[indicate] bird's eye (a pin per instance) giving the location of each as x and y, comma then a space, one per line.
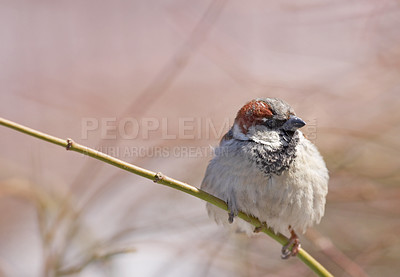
270, 123
275, 123
280, 122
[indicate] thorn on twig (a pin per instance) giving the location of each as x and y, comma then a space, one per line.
158, 177
257, 229
69, 143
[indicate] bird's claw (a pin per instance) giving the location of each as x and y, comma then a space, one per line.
292, 247
231, 216
287, 252
232, 207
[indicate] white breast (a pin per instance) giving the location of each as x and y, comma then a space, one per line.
295, 198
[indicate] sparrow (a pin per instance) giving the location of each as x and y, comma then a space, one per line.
266, 168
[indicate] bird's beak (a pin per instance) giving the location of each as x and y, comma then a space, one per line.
293, 123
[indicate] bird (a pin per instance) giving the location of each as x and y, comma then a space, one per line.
266, 168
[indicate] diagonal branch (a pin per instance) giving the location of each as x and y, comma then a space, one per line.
159, 178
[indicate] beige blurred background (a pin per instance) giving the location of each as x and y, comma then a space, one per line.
180, 70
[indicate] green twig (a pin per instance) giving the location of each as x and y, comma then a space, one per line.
167, 181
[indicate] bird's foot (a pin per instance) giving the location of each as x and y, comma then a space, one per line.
231, 215
233, 210
292, 247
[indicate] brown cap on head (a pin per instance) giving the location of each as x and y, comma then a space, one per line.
254, 112
271, 112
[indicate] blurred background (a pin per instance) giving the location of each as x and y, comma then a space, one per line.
157, 83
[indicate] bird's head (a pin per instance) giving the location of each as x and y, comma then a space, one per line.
265, 118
